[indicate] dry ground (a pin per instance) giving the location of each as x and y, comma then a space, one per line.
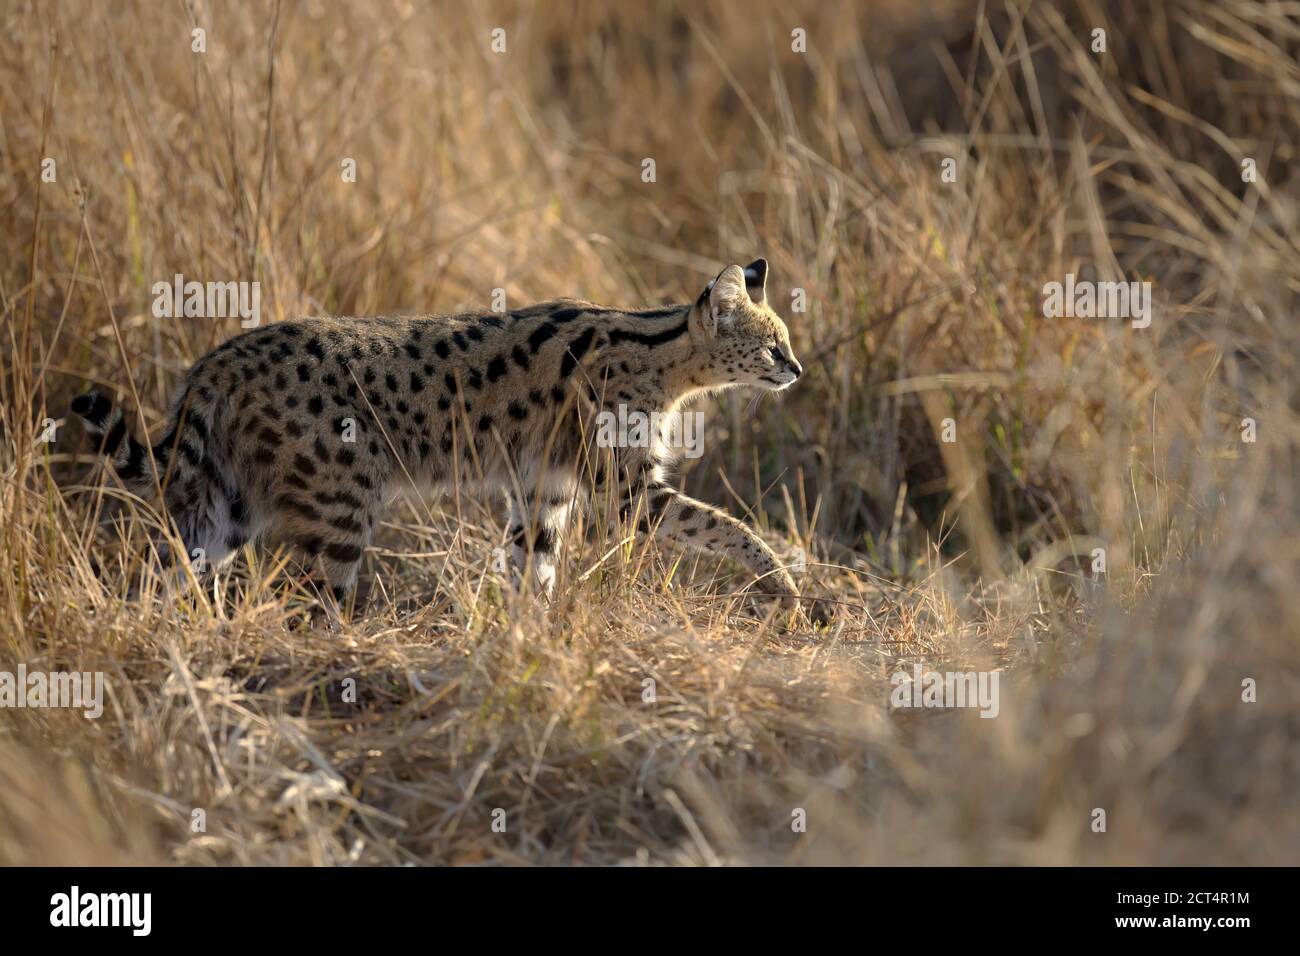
522, 170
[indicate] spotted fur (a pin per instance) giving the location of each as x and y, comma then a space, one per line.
256, 443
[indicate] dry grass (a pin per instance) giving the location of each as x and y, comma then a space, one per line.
523, 171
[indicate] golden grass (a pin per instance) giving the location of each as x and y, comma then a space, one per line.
522, 171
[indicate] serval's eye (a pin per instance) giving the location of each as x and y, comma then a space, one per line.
775, 352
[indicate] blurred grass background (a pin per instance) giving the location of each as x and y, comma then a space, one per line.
522, 170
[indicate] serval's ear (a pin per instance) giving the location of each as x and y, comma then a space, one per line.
756, 281
723, 297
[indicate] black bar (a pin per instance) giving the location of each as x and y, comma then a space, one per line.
639, 905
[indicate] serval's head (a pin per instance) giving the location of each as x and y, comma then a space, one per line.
748, 343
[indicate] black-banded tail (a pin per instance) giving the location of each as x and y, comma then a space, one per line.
130, 456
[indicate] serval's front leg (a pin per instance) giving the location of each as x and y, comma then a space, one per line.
675, 518
679, 519
536, 527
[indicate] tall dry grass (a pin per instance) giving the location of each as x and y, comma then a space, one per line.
522, 170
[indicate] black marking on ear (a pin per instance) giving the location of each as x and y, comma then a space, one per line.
704, 296
93, 407
756, 280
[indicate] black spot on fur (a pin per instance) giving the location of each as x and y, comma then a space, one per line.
115, 436
577, 349
290, 503
650, 339
346, 523
134, 467
191, 455
343, 553
544, 543
540, 335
